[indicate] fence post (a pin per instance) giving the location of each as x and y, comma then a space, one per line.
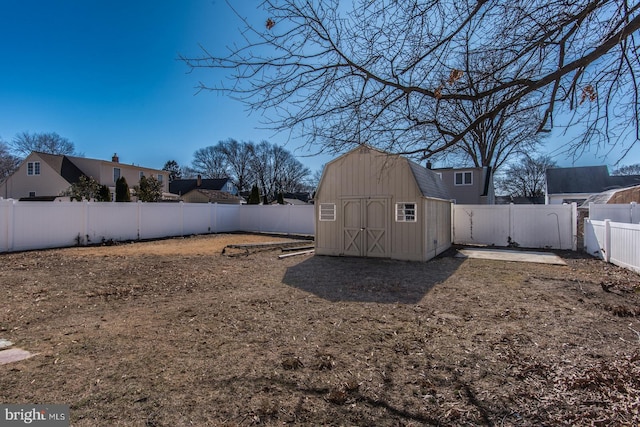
181, 218
139, 217
607, 240
85, 222
574, 226
511, 231
10, 225
213, 218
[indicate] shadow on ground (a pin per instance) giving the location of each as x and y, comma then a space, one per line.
369, 280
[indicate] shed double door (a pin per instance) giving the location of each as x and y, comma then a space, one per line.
365, 227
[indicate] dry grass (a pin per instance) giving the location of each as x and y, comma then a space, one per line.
173, 333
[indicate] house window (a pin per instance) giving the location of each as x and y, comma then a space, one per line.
160, 178
33, 168
229, 187
405, 212
140, 175
463, 178
116, 174
32, 194
327, 211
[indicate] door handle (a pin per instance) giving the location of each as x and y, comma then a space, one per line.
362, 229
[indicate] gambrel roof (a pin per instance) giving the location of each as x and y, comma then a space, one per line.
429, 182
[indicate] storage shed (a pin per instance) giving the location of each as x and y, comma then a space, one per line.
374, 204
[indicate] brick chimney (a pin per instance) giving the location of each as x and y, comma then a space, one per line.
429, 164
115, 158
199, 181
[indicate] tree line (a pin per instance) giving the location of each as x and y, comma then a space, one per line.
270, 167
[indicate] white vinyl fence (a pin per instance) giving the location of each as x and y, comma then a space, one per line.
39, 225
528, 226
626, 213
614, 242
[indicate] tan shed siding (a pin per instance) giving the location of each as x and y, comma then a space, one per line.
327, 234
370, 174
438, 227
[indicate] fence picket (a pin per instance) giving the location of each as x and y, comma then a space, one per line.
40, 225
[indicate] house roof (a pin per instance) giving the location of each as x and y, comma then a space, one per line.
429, 182
218, 196
629, 194
63, 166
183, 186
586, 179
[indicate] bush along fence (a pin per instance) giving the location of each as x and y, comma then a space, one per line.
41, 225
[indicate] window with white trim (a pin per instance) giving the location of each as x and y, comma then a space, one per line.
464, 178
405, 212
327, 211
160, 178
33, 168
116, 174
141, 174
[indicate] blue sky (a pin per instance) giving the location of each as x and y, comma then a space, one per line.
105, 74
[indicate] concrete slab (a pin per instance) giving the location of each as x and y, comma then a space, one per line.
14, 355
508, 255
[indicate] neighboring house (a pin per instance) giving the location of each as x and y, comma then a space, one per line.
220, 190
44, 176
617, 196
577, 184
468, 186
302, 198
519, 200
373, 204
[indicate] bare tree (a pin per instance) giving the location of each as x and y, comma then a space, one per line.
526, 178
49, 142
510, 133
386, 72
8, 162
238, 156
210, 162
627, 170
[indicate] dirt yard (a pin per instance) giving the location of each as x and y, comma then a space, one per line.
175, 333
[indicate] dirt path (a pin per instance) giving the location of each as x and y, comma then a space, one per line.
173, 333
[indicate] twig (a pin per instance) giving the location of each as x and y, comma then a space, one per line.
637, 333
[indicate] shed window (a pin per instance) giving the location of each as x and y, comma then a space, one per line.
463, 178
327, 211
405, 212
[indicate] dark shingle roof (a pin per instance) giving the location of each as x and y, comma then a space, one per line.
430, 183
183, 186
586, 179
63, 165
